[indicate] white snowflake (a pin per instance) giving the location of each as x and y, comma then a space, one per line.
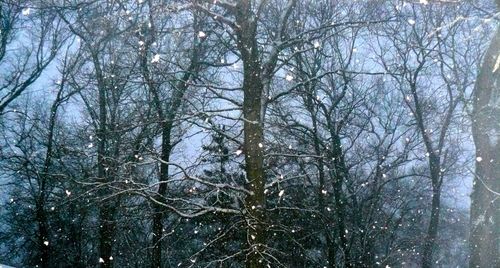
26, 11
281, 193
156, 58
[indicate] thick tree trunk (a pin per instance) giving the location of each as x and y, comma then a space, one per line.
253, 88
485, 199
254, 164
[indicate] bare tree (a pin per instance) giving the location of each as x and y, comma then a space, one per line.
258, 72
419, 47
249, 133
24, 58
157, 82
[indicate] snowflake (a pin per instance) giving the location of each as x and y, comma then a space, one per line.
156, 58
26, 11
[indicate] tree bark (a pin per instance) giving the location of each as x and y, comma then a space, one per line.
162, 190
339, 173
432, 230
253, 88
254, 162
485, 199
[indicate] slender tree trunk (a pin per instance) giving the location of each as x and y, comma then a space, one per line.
339, 175
162, 191
43, 233
432, 230
485, 198
106, 209
106, 234
330, 245
41, 214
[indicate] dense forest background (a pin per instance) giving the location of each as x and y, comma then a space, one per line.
249, 133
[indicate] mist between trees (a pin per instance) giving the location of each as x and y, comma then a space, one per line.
249, 133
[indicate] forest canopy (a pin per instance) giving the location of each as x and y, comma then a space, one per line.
249, 133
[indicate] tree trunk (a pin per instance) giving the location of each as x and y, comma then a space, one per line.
253, 88
330, 245
339, 175
254, 164
106, 210
41, 214
485, 199
43, 232
162, 190
432, 230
